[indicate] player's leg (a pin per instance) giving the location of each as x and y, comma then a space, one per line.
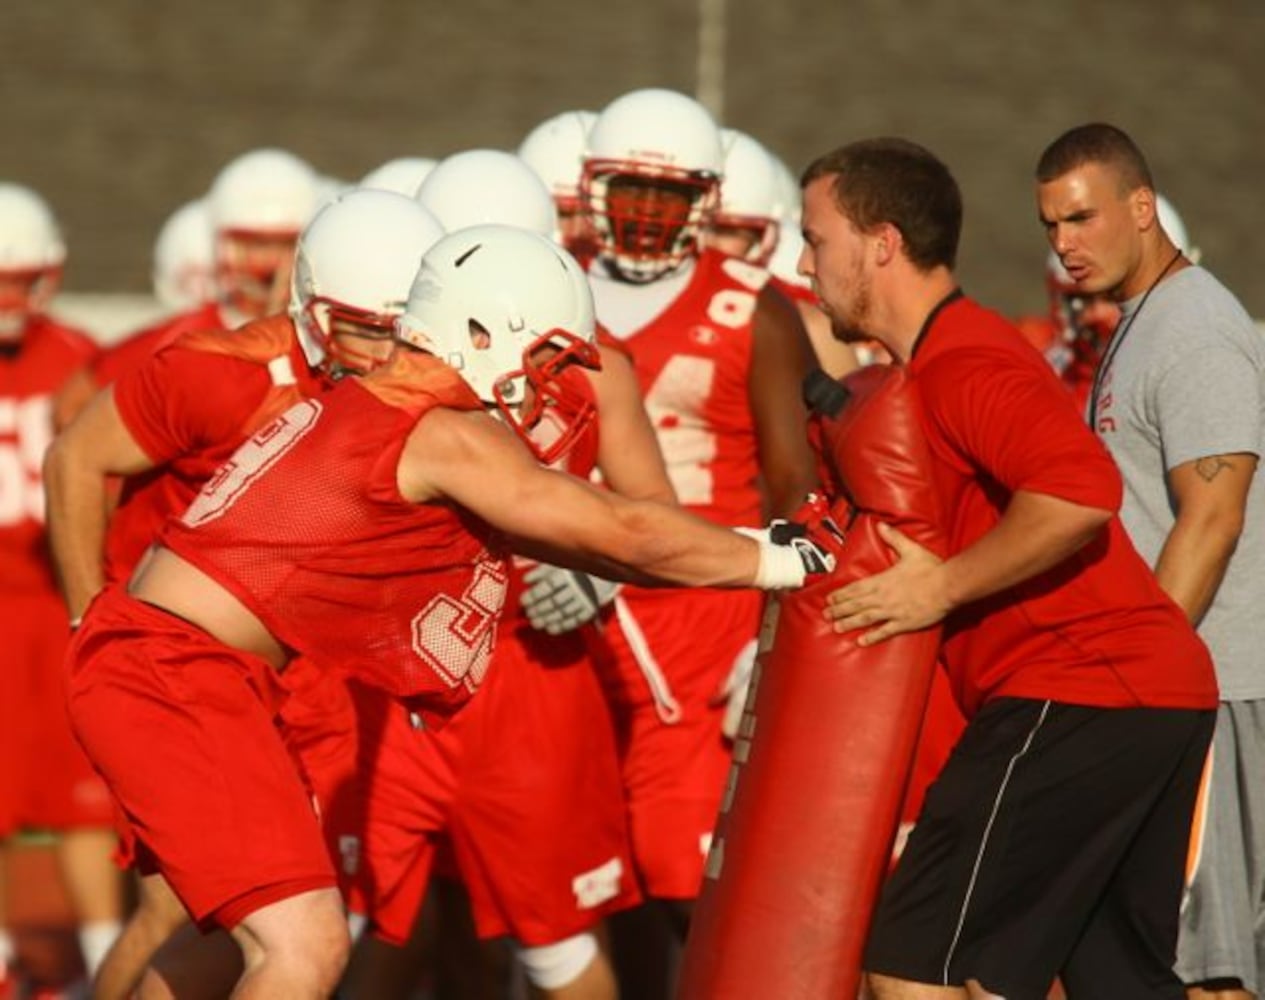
191, 965
157, 916
95, 887
296, 947
539, 827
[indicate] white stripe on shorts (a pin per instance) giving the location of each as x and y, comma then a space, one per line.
988, 829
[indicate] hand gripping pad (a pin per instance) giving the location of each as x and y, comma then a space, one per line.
825, 747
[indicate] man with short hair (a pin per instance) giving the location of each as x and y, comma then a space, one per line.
1053, 841
1179, 400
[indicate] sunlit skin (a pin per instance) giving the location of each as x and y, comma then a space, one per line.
1096, 225
834, 259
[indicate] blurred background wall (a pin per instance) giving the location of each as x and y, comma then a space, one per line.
119, 110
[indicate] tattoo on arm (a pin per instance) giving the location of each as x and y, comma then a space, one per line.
1210, 467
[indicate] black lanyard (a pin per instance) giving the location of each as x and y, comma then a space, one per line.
1117, 338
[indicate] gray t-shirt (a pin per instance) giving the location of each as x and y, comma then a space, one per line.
1187, 381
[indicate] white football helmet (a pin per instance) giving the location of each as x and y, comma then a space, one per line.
790, 197
555, 150
258, 204
650, 181
184, 258
784, 263
265, 190
1172, 224
31, 257
751, 197
403, 175
488, 300
479, 186
355, 261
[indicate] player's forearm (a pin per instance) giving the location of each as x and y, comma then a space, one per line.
652, 543
76, 507
1193, 562
1036, 533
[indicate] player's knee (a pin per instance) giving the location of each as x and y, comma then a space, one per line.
304, 941
552, 966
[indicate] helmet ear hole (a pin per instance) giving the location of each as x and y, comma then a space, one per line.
480, 338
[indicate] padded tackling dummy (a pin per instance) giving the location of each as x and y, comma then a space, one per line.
827, 741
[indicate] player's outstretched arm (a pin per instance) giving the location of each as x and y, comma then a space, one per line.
476, 462
77, 467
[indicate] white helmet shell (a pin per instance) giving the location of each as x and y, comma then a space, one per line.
658, 128
480, 186
750, 192
403, 175
784, 263
514, 286
29, 236
265, 190
184, 258
1172, 224
750, 186
790, 197
360, 255
555, 150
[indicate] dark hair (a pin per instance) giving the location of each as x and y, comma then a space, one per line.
901, 183
1100, 143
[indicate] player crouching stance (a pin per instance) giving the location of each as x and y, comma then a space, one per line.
367, 527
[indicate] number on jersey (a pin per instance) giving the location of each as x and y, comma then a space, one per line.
251, 461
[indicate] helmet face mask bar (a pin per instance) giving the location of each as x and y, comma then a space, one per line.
342, 328
647, 220
550, 366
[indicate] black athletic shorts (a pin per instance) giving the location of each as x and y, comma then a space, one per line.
1053, 843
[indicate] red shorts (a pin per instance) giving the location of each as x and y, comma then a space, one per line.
181, 727
318, 723
539, 828
406, 788
675, 760
45, 779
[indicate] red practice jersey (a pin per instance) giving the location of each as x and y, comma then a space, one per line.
305, 525
1094, 630
189, 407
129, 354
31, 372
693, 362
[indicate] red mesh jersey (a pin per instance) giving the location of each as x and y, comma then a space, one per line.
306, 526
133, 352
189, 407
30, 374
693, 362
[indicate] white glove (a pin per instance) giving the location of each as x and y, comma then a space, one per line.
787, 555
558, 600
734, 690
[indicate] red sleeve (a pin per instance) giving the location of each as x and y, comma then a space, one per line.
1010, 419
183, 400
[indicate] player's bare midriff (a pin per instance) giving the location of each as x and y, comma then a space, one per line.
167, 581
